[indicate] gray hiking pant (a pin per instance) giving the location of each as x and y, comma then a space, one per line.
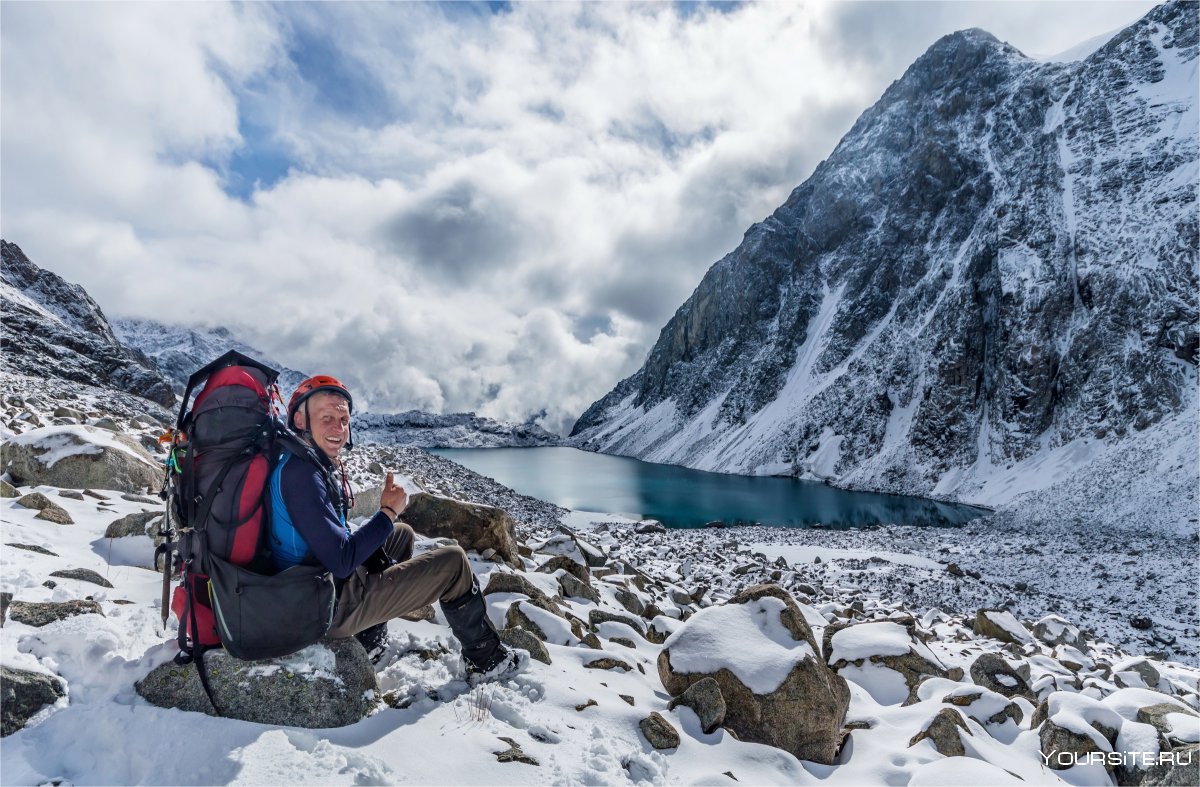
442, 574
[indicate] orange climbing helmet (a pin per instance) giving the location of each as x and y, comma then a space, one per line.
314, 385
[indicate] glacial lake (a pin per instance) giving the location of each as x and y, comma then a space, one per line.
680, 497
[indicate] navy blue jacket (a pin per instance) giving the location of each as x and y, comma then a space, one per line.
301, 506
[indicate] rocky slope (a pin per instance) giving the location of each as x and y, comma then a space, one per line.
53, 329
998, 261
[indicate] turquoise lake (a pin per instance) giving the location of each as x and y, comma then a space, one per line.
680, 497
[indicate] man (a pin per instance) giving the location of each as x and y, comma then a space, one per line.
378, 578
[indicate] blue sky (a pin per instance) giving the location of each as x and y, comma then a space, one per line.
456, 206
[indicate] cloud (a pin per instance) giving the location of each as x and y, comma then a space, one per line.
453, 207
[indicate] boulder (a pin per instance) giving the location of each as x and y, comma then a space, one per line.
131, 524
8, 490
992, 672
659, 732
1181, 769
23, 694
47, 509
107, 423
5, 599
1156, 716
999, 624
76, 457
573, 587
630, 601
886, 643
573, 567
1054, 630
1063, 747
474, 526
944, 731
650, 526
504, 582
516, 618
41, 613
1072, 726
705, 700
520, 638
598, 616
593, 556
984, 706
83, 575
329, 684
777, 690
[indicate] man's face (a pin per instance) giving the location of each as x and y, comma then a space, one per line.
328, 420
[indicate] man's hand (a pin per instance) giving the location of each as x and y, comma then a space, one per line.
393, 497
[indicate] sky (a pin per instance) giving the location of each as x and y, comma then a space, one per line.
490, 207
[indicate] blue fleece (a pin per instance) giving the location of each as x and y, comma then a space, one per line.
306, 526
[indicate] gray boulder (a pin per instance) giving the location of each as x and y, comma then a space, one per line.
504, 582
803, 715
992, 672
8, 490
131, 524
573, 567
915, 666
1156, 716
101, 459
520, 638
999, 624
474, 526
1064, 747
83, 575
704, 698
47, 508
330, 684
659, 732
573, 587
22, 694
1054, 630
1183, 769
944, 731
42, 613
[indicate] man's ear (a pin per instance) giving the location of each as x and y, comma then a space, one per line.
298, 420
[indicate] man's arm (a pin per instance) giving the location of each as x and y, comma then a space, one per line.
313, 515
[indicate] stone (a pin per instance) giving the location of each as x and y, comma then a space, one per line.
992, 672
589, 704
106, 423
576, 569
70, 494
623, 641
522, 638
8, 490
504, 582
1141, 622
274, 691
1182, 769
95, 495
1143, 668
1056, 741
513, 753
803, 715
476, 527
630, 601
1156, 716
82, 574
944, 731
5, 599
598, 616
421, 613
134, 524
55, 514
32, 548
650, 526
1054, 630
145, 421
607, 662
999, 624
41, 613
516, 618
915, 666
955, 570
659, 732
113, 462
705, 700
22, 694
70, 412
133, 498
628, 698
593, 556
572, 587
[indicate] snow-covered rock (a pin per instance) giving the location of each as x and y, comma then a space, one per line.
81, 457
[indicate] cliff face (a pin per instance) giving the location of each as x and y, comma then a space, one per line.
54, 329
998, 259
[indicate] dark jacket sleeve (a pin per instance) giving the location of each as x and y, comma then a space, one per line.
314, 517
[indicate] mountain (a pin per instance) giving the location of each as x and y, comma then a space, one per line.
998, 262
180, 350
53, 329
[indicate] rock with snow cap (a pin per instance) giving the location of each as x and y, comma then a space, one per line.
76, 457
992, 672
22, 694
762, 654
999, 624
329, 684
705, 700
856, 651
474, 526
945, 732
1055, 630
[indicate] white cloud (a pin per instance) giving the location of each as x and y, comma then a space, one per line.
489, 212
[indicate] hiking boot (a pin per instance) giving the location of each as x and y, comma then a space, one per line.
374, 640
507, 663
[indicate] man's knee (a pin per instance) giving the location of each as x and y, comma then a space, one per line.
453, 562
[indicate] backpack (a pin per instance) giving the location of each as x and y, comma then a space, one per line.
222, 451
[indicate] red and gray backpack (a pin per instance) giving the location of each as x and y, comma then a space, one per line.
229, 595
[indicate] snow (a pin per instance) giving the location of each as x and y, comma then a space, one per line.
765, 657
869, 639
60, 442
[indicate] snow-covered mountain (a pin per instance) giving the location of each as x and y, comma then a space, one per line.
53, 329
180, 350
995, 268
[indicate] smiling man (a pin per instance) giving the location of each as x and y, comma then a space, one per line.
377, 576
